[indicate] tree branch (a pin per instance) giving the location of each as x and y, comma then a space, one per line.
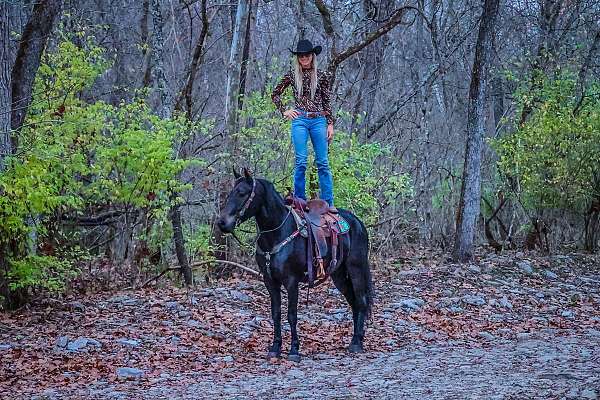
394, 20
199, 264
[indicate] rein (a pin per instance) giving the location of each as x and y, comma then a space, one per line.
278, 246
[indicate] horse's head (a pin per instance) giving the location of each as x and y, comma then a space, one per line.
242, 202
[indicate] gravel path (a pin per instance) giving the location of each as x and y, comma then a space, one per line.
550, 366
513, 326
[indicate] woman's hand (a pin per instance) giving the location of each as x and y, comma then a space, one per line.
329, 133
291, 114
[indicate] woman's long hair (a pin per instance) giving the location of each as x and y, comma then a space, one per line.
313, 76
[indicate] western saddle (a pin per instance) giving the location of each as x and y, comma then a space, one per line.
320, 224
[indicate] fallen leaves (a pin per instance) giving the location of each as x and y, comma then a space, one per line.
225, 330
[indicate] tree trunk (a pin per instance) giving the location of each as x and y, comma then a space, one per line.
470, 194
246, 55
180, 244
5, 112
165, 112
31, 46
372, 68
5, 87
234, 68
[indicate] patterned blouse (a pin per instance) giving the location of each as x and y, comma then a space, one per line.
321, 101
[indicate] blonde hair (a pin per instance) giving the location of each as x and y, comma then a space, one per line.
313, 76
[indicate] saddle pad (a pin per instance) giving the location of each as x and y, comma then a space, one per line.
343, 225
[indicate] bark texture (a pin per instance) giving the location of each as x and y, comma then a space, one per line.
31, 47
5, 87
234, 68
470, 195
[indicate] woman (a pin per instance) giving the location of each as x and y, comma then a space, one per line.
311, 116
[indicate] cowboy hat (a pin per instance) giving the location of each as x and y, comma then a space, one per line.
305, 46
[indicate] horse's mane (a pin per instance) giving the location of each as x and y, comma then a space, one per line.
271, 188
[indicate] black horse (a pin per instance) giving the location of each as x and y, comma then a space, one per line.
253, 197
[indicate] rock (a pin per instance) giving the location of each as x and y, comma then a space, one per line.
124, 300
130, 373
129, 342
244, 286
474, 269
227, 359
194, 300
550, 275
455, 309
241, 296
588, 394
174, 306
525, 267
487, 336
296, 373
505, 303
411, 305
62, 341
523, 336
194, 324
77, 306
567, 314
473, 300
5, 347
81, 343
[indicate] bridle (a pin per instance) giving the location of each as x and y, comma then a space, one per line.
278, 246
248, 200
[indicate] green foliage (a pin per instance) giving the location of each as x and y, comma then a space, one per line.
553, 160
75, 156
45, 271
365, 180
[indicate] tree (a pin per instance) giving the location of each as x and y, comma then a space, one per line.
470, 194
31, 46
234, 68
5, 87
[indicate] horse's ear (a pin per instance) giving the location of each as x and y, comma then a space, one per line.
247, 173
236, 174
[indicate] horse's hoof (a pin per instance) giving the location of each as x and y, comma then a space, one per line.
273, 354
294, 357
355, 348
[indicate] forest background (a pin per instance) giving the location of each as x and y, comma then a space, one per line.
121, 122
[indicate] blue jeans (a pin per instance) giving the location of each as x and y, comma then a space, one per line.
315, 128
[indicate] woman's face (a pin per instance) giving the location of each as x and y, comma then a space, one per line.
305, 60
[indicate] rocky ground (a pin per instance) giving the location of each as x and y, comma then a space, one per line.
515, 326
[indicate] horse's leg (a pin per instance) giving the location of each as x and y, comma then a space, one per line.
275, 294
343, 283
361, 287
292, 292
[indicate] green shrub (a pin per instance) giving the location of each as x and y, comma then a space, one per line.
77, 157
553, 160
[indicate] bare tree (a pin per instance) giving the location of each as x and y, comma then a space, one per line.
31, 46
5, 87
470, 195
234, 67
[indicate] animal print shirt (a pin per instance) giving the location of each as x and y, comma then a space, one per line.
321, 101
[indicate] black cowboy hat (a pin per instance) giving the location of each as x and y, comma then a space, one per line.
305, 46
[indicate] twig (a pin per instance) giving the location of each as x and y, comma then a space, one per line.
198, 264
247, 269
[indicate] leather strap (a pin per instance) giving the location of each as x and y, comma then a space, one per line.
249, 200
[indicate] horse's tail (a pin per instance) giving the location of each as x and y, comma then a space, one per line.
366, 271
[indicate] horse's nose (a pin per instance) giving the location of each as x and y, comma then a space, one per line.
225, 224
